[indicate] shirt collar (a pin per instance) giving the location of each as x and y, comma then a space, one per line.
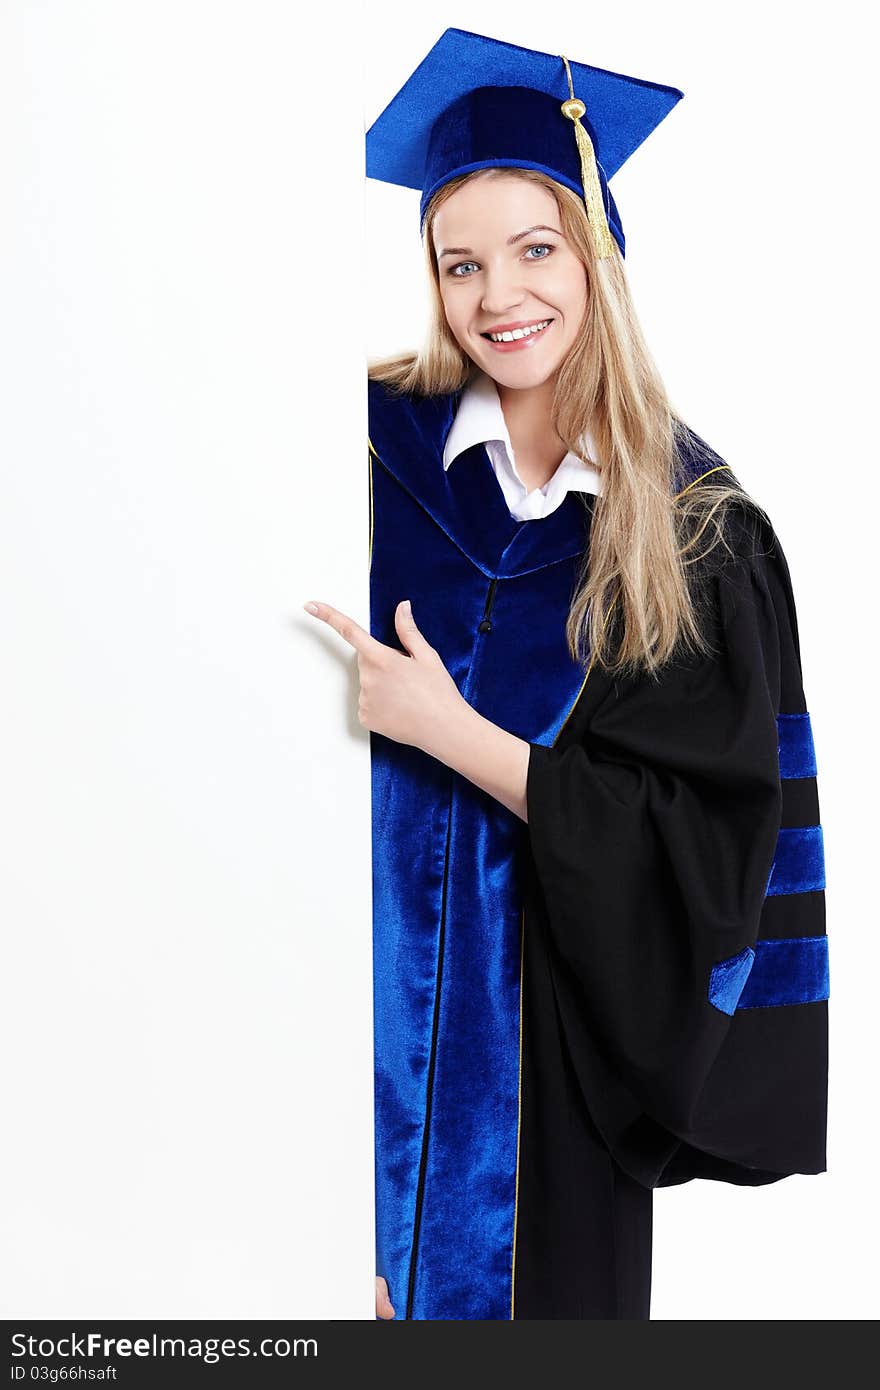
479, 418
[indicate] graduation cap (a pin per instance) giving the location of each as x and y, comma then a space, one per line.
479, 103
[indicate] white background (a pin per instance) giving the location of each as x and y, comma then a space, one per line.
186, 1013
192, 272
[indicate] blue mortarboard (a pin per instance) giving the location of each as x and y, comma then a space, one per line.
478, 103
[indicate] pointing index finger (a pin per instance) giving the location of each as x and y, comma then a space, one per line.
347, 628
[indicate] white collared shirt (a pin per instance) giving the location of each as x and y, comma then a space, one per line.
480, 420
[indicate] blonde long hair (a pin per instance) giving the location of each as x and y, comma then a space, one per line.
649, 530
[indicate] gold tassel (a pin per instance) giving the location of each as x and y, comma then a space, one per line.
574, 109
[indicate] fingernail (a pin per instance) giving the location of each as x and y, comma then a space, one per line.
310, 607
407, 606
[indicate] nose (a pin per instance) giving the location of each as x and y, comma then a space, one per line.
502, 290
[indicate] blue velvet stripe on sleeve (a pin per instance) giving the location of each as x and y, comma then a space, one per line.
799, 864
782, 970
728, 979
797, 754
787, 970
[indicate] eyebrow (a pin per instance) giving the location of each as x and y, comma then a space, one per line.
511, 241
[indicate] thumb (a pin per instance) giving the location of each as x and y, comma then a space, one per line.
384, 1306
408, 632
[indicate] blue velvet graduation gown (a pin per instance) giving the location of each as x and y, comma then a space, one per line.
629, 990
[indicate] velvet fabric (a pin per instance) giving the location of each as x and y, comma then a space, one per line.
472, 908
794, 970
446, 899
799, 865
797, 753
510, 127
475, 102
728, 978
779, 970
787, 972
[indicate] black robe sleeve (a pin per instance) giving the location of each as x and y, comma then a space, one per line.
653, 827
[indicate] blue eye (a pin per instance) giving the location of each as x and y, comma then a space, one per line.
535, 246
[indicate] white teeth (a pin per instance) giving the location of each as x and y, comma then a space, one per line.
511, 336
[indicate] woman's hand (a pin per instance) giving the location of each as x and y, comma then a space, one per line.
384, 1306
405, 697
413, 699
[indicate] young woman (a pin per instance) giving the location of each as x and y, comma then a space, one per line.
599, 935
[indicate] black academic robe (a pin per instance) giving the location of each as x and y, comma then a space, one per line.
629, 990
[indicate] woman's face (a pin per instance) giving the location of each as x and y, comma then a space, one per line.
505, 264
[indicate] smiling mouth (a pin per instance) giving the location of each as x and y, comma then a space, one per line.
516, 335
519, 339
